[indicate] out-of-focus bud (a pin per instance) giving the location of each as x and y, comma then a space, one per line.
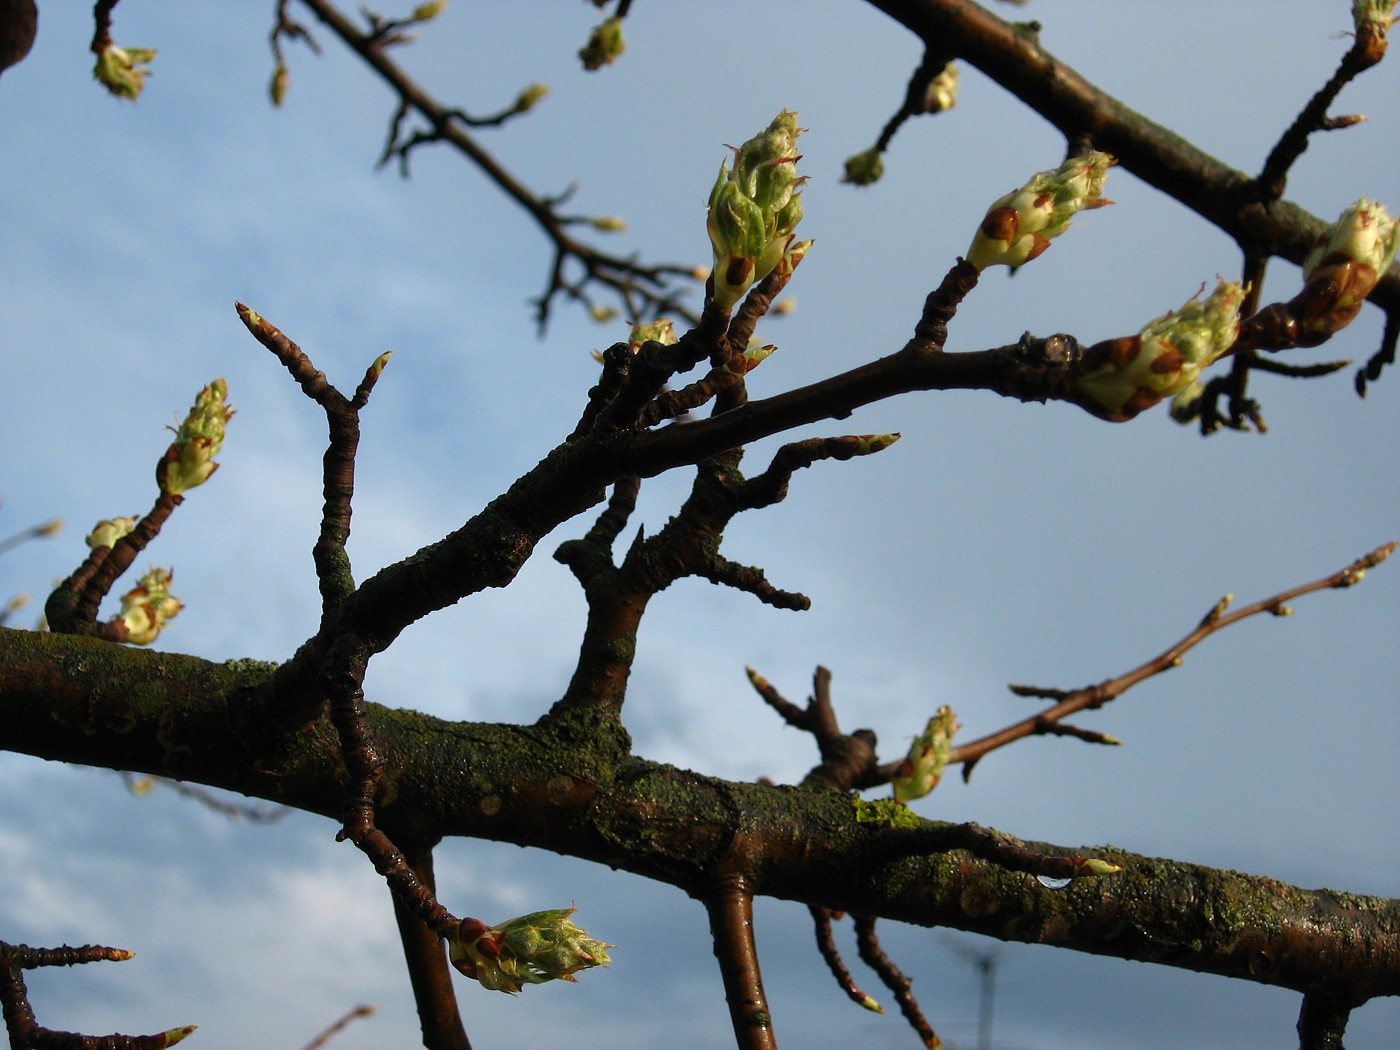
602, 314
1184, 406
864, 169
535, 948
1373, 20
1092, 867
608, 224
427, 12
530, 97
784, 307
1018, 227
148, 606
1121, 377
754, 208
277, 89
122, 70
604, 45
922, 768
659, 331
942, 90
1343, 267
107, 531
52, 527
190, 459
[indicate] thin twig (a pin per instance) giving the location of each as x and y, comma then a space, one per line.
1093, 696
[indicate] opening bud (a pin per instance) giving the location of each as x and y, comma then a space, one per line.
148, 606
604, 45
1019, 226
1122, 377
189, 461
107, 531
532, 949
754, 208
922, 768
122, 70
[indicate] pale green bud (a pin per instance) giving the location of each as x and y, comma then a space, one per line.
532, 949
608, 224
1364, 233
754, 208
1019, 226
922, 768
530, 97
604, 45
659, 331
602, 314
1124, 376
148, 606
1342, 269
121, 71
190, 459
427, 12
1373, 17
942, 90
864, 169
277, 89
107, 531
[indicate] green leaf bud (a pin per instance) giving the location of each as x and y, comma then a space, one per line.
107, 531
1121, 377
864, 169
122, 70
754, 209
922, 768
1019, 226
604, 45
190, 459
148, 606
532, 949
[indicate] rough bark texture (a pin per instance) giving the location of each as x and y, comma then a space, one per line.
87, 701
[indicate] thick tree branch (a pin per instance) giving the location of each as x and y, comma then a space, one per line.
82, 700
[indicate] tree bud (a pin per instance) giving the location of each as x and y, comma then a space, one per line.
1018, 227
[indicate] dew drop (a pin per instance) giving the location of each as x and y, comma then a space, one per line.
1053, 884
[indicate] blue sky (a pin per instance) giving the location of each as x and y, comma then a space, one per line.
996, 542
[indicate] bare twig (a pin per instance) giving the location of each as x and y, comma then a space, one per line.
643, 291
340, 1024
1071, 701
874, 956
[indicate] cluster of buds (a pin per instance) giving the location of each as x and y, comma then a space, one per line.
605, 45
189, 461
1019, 226
1122, 377
148, 606
754, 209
107, 531
535, 948
122, 71
922, 768
1343, 267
